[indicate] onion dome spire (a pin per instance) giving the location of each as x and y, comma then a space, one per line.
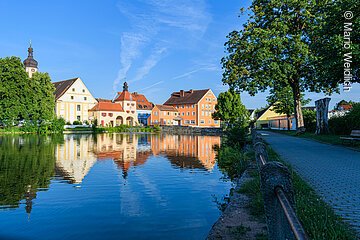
30, 61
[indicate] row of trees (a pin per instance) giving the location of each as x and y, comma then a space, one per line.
24, 100
291, 47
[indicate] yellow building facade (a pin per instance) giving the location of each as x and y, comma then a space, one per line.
73, 100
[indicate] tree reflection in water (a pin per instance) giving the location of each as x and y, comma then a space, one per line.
26, 165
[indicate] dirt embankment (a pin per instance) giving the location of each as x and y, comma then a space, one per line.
236, 222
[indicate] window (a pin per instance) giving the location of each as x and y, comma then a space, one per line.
128, 104
206, 113
72, 97
216, 121
85, 98
187, 121
103, 114
168, 113
202, 113
78, 107
182, 106
209, 121
192, 121
73, 89
202, 106
155, 113
133, 104
183, 114
188, 113
78, 118
165, 113
194, 113
193, 106
110, 114
83, 90
132, 111
214, 100
202, 121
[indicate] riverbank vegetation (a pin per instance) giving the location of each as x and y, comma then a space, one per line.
26, 104
126, 128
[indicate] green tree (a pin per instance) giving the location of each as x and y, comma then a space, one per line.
230, 109
274, 50
43, 100
13, 90
282, 101
329, 42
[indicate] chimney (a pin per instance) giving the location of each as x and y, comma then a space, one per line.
191, 91
182, 93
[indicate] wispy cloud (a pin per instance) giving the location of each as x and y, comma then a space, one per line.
152, 21
130, 50
149, 63
151, 86
190, 73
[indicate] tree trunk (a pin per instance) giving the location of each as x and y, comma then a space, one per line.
322, 108
288, 122
297, 110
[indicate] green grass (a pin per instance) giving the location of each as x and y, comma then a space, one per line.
318, 218
251, 188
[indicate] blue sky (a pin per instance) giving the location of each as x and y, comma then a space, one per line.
159, 46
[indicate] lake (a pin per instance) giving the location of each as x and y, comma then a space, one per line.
109, 186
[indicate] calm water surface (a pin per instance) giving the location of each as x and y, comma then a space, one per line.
109, 186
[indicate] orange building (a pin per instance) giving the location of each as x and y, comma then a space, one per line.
194, 107
164, 115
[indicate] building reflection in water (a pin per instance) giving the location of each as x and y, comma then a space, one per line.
187, 151
79, 153
126, 150
75, 158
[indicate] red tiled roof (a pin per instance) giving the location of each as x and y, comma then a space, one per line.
141, 101
186, 97
166, 108
107, 106
62, 86
124, 95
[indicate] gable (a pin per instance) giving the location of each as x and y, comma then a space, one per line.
78, 90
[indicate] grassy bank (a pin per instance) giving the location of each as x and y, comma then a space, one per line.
317, 217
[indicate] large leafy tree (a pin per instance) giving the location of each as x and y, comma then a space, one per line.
329, 42
274, 49
230, 109
13, 90
282, 101
22, 97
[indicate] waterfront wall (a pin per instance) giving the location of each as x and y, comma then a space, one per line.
209, 131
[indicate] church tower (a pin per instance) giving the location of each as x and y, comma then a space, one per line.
31, 65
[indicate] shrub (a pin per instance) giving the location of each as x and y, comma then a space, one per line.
343, 125
232, 161
309, 120
76, 122
236, 136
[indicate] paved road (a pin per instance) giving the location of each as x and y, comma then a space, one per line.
333, 171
